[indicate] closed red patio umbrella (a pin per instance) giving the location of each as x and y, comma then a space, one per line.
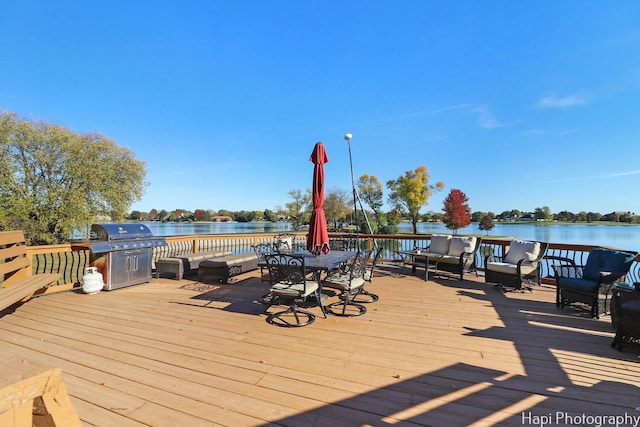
318, 237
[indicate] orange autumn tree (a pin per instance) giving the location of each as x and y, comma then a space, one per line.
457, 213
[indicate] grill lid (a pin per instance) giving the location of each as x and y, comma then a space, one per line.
125, 231
114, 237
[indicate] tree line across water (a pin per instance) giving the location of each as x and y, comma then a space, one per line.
339, 211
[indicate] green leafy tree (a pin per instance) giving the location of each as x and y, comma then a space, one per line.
566, 216
137, 216
298, 209
270, 215
477, 216
457, 213
370, 191
437, 217
543, 213
409, 193
230, 214
245, 216
54, 180
627, 217
336, 206
393, 218
593, 216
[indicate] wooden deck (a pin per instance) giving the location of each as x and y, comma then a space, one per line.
437, 353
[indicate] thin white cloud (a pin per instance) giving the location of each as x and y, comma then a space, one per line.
486, 119
554, 101
534, 132
428, 112
404, 116
601, 176
616, 174
551, 132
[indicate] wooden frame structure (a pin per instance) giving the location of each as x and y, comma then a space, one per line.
17, 279
39, 401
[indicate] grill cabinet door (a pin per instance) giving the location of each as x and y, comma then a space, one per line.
130, 268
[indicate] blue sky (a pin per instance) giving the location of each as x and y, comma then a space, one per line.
520, 104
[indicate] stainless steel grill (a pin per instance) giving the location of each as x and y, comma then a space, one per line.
122, 253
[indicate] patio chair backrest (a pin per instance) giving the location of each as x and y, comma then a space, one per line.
360, 262
285, 268
262, 249
601, 259
522, 249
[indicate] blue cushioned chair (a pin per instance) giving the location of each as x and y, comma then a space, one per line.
585, 284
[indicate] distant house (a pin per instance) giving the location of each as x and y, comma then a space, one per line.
528, 217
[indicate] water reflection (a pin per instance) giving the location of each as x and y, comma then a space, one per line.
188, 228
618, 236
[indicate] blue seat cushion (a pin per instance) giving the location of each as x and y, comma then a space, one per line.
578, 284
631, 306
607, 260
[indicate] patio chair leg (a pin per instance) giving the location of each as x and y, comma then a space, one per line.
319, 299
371, 298
279, 319
344, 303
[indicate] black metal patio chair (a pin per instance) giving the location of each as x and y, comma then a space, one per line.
350, 283
291, 286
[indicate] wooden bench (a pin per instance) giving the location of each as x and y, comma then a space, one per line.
220, 269
179, 265
18, 282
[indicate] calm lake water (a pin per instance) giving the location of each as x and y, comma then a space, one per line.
618, 236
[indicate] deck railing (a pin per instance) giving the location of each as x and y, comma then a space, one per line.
71, 262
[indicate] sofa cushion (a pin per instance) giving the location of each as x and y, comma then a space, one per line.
521, 249
508, 268
578, 284
458, 245
449, 259
600, 259
284, 244
440, 244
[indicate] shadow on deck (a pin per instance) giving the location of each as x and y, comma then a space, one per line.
442, 352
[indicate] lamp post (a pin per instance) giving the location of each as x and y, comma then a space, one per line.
356, 197
348, 137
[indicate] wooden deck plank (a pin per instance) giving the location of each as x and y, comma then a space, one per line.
441, 352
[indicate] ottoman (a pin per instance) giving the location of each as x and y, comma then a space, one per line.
220, 269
